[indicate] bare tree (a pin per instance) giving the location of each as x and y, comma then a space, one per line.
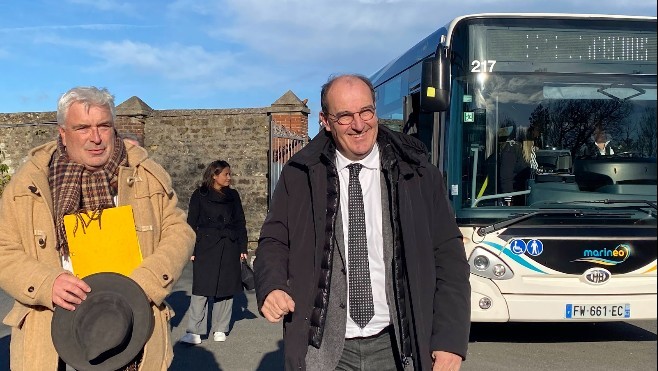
570, 124
646, 141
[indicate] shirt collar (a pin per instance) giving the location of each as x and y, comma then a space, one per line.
369, 162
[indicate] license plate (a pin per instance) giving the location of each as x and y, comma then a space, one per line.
620, 311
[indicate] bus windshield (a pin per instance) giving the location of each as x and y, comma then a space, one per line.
530, 131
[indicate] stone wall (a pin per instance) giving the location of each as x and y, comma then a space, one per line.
184, 142
187, 141
16, 140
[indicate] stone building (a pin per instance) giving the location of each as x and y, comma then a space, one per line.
254, 141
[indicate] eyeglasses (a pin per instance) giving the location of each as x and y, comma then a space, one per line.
347, 118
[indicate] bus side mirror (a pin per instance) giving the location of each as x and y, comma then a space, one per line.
435, 82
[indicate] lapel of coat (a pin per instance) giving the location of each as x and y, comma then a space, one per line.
340, 236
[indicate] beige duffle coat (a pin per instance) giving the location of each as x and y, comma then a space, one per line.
29, 262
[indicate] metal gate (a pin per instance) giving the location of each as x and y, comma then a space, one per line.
283, 144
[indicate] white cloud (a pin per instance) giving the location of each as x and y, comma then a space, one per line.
343, 34
189, 65
174, 61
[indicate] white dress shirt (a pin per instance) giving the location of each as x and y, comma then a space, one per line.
602, 149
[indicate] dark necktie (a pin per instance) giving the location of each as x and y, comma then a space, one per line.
360, 289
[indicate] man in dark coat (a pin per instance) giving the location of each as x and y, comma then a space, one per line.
415, 313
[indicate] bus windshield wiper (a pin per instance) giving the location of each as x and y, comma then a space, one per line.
483, 231
610, 202
651, 204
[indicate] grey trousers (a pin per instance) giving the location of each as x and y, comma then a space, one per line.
374, 353
198, 314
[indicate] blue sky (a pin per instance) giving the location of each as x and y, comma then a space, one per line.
222, 53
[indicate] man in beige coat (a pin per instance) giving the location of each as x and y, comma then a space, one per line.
87, 168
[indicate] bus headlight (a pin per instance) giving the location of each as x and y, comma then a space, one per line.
485, 303
485, 264
498, 270
481, 262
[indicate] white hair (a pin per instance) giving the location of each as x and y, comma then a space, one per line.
87, 95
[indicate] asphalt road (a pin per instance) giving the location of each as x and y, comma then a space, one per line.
255, 344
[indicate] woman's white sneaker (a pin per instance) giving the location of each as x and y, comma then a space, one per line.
219, 336
191, 338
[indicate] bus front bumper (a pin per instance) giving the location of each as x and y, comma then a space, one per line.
558, 308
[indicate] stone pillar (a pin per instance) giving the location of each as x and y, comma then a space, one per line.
131, 117
291, 113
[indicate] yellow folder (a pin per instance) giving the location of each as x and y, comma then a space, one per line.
103, 241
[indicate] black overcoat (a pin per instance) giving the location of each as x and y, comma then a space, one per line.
221, 236
294, 234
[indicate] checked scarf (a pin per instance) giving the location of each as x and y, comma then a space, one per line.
75, 188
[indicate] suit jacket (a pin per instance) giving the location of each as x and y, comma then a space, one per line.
327, 356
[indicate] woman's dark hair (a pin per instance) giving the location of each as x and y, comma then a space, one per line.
213, 169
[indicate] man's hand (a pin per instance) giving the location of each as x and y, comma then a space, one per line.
69, 291
445, 361
277, 304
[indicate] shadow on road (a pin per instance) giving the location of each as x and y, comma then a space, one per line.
195, 358
241, 309
558, 332
272, 361
179, 301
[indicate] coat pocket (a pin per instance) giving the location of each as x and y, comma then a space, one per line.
16, 316
169, 311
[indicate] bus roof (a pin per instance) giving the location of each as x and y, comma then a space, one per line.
416, 54
427, 46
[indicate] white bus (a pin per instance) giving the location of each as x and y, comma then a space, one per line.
544, 126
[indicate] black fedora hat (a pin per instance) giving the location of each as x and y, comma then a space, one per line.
108, 329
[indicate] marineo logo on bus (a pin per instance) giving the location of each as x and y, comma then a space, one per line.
606, 256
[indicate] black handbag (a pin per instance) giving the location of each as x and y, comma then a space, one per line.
248, 281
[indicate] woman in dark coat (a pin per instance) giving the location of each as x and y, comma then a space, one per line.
216, 214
